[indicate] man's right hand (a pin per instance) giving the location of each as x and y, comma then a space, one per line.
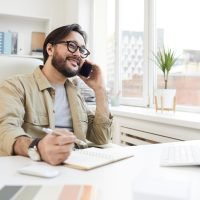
55, 149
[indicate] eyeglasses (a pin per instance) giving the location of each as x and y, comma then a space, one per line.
73, 47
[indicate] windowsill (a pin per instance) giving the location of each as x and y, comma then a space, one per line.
183, 119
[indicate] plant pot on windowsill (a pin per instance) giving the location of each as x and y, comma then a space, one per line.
165, 99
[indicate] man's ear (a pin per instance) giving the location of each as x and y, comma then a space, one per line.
49, 49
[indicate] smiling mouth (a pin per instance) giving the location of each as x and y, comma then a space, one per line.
73, 60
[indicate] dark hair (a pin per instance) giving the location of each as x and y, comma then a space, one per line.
59, 33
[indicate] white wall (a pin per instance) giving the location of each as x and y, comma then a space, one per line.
85, 18
49, 9
25, 16
59, 12
71, 11
100, 33
80, 11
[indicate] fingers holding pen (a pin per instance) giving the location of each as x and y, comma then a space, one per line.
55, 148
62, 140
53, 153
61, 132
60, 136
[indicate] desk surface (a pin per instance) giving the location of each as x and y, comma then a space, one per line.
136, 178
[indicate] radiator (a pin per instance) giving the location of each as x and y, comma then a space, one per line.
130, 136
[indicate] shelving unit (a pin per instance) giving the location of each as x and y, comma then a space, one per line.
23, 26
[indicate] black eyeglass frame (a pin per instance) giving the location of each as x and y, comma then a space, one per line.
81, 49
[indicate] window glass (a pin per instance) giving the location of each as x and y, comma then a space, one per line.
125, 48
178, 28
131, 47
110, 47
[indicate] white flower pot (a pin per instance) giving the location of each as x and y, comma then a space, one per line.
165, 99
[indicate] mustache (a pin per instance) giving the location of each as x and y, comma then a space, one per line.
76, 58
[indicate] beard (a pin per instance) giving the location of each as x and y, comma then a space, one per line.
60, 64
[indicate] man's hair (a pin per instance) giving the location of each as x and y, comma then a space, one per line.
60, 33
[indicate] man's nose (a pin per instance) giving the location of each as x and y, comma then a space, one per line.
77, 52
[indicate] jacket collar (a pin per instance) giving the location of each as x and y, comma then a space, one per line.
42, 81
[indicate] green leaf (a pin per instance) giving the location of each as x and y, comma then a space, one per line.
165, 60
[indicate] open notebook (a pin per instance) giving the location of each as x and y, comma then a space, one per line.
181, 154
90, 158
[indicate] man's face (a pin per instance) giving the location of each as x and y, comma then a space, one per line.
67, 63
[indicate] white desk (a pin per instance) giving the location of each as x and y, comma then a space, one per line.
136, 178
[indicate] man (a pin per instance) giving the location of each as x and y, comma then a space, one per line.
49, 98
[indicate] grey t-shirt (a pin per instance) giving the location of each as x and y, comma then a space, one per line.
63, 118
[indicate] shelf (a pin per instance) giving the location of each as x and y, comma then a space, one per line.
25, 56
23, 26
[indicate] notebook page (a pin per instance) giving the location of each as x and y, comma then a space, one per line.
94, 157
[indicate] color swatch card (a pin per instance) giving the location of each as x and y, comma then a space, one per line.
50, 192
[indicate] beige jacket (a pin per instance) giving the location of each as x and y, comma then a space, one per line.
26, 106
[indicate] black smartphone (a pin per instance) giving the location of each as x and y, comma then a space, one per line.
85, 69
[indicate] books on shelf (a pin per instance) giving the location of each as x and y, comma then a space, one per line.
90, 158
50, 192
8, 42
1, 42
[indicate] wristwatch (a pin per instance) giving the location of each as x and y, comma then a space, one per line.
33, 152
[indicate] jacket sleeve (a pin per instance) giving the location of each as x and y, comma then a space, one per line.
99, 127
11, 114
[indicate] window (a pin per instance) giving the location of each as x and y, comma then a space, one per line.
179, 30
134, 30
112, 73
126, 71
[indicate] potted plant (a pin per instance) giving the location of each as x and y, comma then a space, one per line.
165, 98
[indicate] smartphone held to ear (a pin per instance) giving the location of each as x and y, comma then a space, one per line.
85, 69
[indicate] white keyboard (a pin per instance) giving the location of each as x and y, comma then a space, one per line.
180, 155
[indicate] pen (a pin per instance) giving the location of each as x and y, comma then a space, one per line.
50, 131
